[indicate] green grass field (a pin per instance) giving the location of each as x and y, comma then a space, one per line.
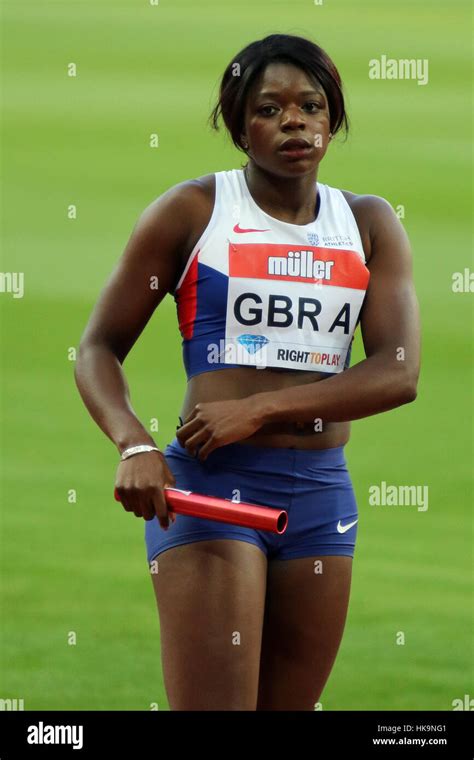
80, 568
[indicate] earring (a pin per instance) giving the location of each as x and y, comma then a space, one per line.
330, 135
245, 144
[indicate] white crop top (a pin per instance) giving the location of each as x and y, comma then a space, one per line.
260, 292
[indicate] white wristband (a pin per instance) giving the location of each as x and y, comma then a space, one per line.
126, 453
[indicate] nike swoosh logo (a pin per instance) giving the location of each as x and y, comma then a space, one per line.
239, 229
345, 528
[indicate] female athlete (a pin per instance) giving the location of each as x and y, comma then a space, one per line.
271, 272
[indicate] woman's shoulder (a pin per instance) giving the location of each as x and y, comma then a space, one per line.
194, 188
189, 202
370, 212
365, 203
202, 187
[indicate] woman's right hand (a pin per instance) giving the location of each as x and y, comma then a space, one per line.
140, 481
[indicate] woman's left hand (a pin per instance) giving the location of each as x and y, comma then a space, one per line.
215, 423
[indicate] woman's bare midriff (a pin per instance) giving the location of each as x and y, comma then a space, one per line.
240, 382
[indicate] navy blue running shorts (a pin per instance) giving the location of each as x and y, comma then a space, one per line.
312, 485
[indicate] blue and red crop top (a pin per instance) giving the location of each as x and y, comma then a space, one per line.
260, 292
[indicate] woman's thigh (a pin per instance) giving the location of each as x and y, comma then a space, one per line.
306, 607
210, 596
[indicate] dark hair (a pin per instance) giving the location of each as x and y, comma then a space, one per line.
254, 58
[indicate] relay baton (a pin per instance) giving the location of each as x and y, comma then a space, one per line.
224, 510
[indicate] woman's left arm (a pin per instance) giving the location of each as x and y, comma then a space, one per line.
390, 327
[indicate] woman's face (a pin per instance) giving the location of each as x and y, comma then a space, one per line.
284, 104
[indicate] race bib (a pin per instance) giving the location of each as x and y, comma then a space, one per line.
295, 308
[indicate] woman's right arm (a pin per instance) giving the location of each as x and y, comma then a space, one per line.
149, 267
